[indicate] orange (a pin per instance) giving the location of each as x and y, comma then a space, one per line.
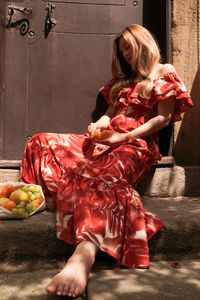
6, 190
101, 135
8, 204
2, 200
40, 200
37, 202
96, 134
104, 134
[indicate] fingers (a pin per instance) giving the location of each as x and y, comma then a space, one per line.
94, 126
91, 128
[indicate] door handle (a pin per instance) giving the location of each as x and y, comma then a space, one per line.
49, 22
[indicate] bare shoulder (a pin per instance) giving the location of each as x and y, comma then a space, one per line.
165, 69
162, 69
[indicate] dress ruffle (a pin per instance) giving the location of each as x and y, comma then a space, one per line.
168, 85
105, 90
171, 85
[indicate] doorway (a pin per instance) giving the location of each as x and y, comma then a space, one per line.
157, 18
56, 56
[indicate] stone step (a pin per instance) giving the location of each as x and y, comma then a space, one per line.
161, 281
164, 180
175, 181
35, 238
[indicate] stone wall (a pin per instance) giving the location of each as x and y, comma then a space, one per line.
186, 55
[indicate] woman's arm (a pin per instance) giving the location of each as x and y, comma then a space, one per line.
162, 119
103, 122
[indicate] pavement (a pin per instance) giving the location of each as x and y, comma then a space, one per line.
30, 255
161, 281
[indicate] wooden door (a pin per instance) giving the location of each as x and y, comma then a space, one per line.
54, 63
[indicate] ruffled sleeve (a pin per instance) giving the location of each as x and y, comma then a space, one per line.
171, 85
105, 90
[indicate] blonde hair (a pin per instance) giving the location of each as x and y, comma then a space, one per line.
145, 56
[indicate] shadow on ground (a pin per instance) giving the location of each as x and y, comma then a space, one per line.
161, 281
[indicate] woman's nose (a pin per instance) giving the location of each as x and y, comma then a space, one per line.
125, 53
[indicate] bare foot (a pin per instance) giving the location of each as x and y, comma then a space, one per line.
72, 280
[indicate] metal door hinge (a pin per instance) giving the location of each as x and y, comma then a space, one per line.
24, 22
25, 10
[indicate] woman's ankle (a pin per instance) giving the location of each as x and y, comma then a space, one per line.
85, 250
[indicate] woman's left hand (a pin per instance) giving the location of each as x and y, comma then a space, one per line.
113, 138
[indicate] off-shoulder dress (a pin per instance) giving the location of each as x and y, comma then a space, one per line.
93, 185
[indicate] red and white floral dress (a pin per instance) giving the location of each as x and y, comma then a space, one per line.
93, 185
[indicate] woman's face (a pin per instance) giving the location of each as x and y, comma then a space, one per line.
126, 50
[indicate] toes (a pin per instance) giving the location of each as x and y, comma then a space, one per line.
59, 290
71, 291
78, 291
51, 289
66, 290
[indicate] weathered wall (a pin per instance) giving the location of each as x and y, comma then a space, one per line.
185, 53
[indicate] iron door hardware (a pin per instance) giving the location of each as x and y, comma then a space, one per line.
25, 10
24, 22
49, 22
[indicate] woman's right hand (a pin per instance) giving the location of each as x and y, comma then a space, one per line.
102, 123
91, 128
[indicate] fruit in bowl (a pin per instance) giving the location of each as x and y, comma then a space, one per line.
19, 196
21, 200
7, 203
6, 190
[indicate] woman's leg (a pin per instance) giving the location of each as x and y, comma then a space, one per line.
72, 280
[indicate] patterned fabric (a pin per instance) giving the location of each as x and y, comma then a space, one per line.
93, 186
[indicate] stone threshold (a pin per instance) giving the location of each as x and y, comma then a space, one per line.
165, 161
37, 235
166, 179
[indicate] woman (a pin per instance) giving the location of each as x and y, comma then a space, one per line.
92, 179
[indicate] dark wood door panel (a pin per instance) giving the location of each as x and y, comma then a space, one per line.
95, 2
51, 83
62, 93
15, 96
2, 81
95, 19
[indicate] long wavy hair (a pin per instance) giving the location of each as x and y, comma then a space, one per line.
146, 55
